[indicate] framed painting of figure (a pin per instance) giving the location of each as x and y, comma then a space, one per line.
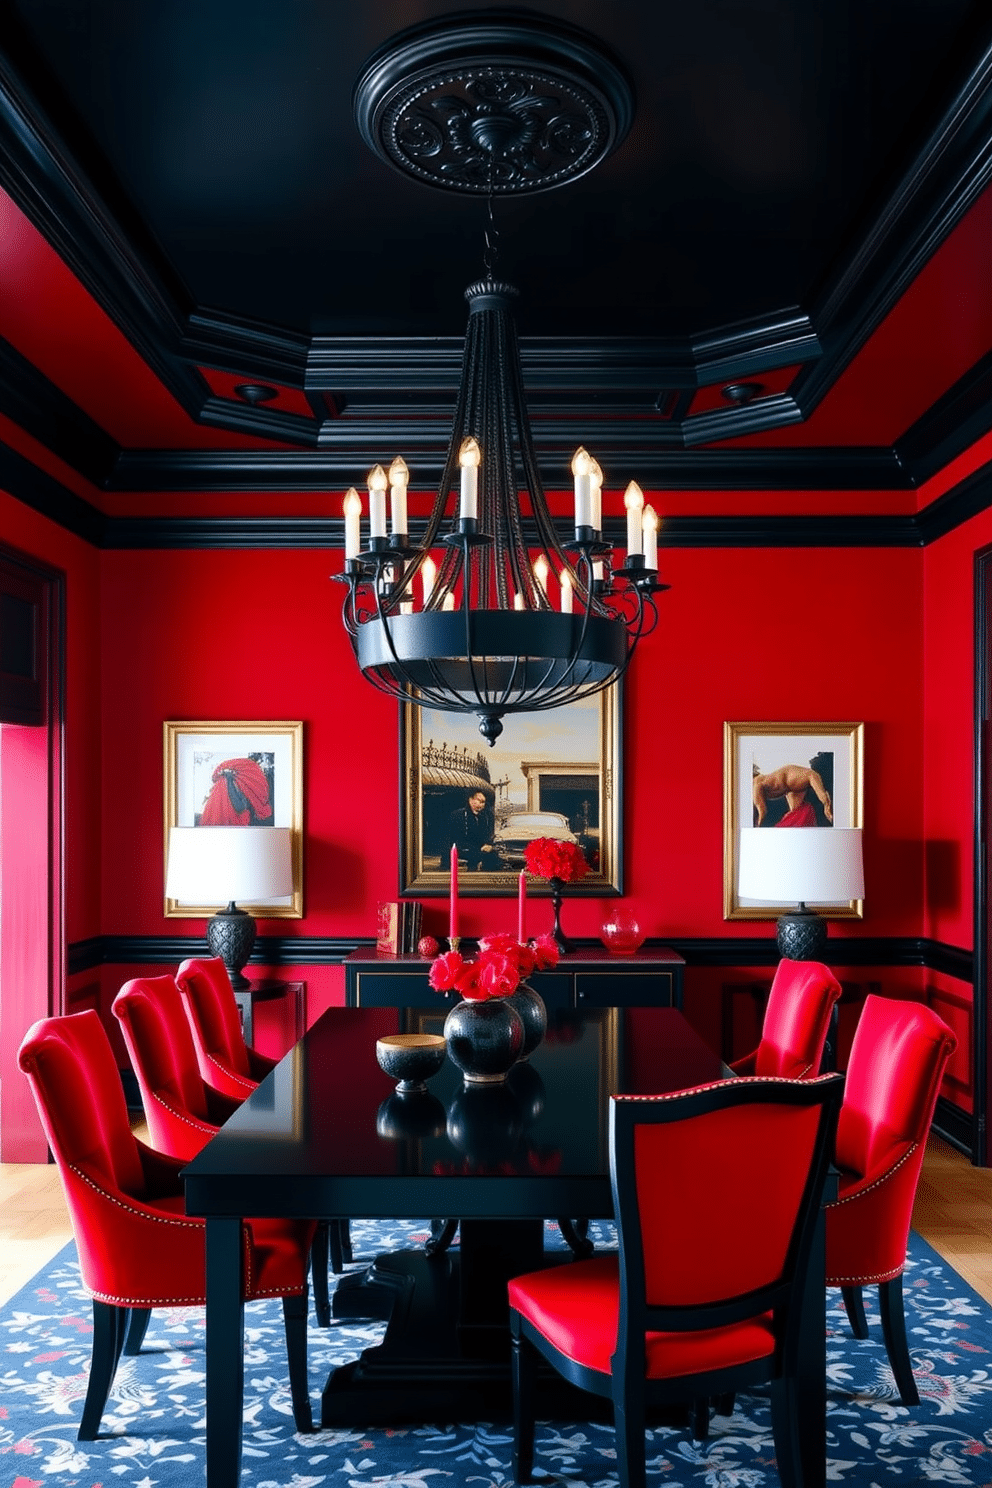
236, 775
788, 775
551, 774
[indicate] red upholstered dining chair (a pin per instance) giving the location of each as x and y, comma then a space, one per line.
182, 1110
230, 1065
683, 1312
137, 1247
225, 1060
897, 1062
796, 1022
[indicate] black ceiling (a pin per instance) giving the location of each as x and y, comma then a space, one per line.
790, 165
764, 135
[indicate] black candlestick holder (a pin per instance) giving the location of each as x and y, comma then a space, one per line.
558, 935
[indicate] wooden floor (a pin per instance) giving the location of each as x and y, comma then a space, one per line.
953, 1212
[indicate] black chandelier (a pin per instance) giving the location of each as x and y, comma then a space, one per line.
490, 611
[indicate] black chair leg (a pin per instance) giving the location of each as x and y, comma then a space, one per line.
855, 1306
700, 1424
334, 1246
109, 1327
724, 1405
629, 1425
894, 1333
294, 1311
137, 1327
785, 1432
523, 1371
344, 1228
318, 1274
443, 1231
575, 1233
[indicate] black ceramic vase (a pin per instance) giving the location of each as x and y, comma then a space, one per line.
485, 1039
485, 1125
533, 1015
558, 935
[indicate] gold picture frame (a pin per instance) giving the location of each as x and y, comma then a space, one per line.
563, 763
755, 749
193, 751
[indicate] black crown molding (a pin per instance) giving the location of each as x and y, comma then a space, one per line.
44, 494
814, 469
44, 412
103, 243
52, 499
96, 231
935, 189
320, 950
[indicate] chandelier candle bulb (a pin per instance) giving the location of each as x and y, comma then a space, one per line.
518, 601
449, 600
428, 574
399, 475
470, 458
649, 537
541, 573
633, 500
566, 593
352, 524
377, 501
581, 464
598, 570
596, 491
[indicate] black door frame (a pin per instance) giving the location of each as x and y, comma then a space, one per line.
983, 825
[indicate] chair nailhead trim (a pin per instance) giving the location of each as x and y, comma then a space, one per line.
184, 1116
712, 1085
152, 1216
231, 1074
875, 1183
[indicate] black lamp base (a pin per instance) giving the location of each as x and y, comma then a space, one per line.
231, 935
802, 935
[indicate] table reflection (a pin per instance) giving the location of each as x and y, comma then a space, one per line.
328, 1107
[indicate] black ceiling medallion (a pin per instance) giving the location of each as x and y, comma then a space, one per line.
493, 102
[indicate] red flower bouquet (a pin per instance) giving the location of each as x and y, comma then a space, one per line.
498, 969
547, 858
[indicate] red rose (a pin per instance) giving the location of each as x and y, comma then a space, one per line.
548, 858
444, 971
497, 975
545, 951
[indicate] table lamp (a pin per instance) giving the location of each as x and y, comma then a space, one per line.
794, 865
214, 865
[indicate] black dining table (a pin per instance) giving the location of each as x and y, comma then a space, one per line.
326, 1135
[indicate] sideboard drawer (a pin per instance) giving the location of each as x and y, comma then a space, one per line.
554, 986
389, 989
631, 988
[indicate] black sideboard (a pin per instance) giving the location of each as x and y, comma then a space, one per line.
588, 978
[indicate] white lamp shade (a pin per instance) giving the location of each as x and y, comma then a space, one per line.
213, 865
812, 865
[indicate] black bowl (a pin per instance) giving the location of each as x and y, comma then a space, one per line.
410, 1058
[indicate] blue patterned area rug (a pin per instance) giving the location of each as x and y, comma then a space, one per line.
154, 1424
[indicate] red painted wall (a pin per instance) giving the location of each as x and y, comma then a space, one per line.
827, 635
883, 636
22, 528
949, 703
